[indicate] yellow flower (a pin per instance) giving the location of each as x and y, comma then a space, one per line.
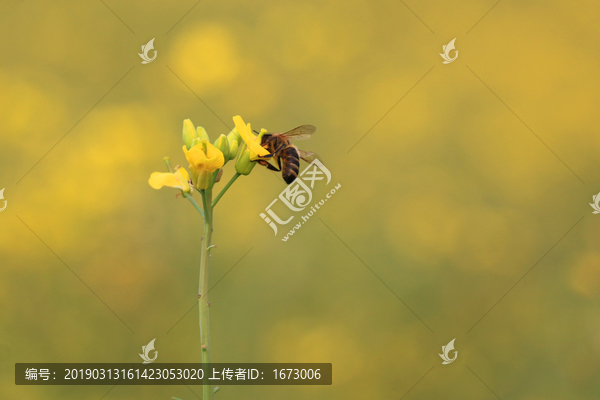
204, 159
257, 152
178, 179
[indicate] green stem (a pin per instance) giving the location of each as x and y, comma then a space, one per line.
207, 392
216, 200
196, 206
168, 162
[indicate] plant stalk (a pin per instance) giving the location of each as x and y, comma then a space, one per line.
196, 206
207, 391
214, 203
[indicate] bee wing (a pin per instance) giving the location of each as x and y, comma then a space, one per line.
300, 133
309, 156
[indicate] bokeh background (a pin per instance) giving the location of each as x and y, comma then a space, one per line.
450, 199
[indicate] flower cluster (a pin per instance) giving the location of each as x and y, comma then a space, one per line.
207, 159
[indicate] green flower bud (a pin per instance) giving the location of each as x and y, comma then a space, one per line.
202, 133
189, 133
234, 136
233, 148
243, 165
223, 144
196, 141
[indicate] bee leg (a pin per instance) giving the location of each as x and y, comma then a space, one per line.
269, 139
269, 165
277, 150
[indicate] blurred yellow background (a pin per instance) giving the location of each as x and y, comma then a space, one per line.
450, 198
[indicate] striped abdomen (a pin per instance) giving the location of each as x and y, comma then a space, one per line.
290, 164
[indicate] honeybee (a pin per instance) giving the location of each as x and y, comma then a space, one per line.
286, 154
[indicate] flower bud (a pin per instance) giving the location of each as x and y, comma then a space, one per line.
202, 133
223, 144
243, 165
189, 133
233, 148
234, 136
196, 141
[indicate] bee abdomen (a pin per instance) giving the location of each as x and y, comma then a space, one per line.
291, 164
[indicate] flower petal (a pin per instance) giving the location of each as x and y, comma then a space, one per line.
215, 157
183, 174
213, 164
200, 160
159, 179
245, 131
242, 129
